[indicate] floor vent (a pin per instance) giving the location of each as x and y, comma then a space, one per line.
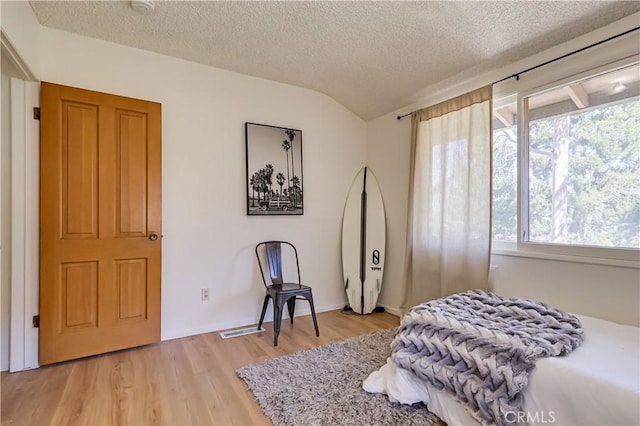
241, 332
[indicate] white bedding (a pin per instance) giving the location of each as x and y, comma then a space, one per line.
596, 384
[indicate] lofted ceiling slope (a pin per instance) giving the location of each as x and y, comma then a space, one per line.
371, 56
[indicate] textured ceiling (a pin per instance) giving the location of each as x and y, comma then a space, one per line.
369, 56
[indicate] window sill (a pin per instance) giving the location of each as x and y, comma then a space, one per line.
567, 258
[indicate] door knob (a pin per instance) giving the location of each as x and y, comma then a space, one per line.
153, 236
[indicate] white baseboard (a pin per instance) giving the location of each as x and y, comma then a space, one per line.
244, 322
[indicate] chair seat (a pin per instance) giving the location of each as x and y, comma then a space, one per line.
288, 287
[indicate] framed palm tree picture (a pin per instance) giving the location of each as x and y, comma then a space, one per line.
274, 170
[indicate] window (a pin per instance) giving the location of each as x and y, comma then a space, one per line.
576, 152
505, 171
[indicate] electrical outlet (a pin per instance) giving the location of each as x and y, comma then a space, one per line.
204, 294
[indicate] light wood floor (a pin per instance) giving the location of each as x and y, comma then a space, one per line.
179, 382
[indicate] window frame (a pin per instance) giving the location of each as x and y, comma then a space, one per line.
523, 247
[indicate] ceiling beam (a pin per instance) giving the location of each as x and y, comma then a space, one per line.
578, 95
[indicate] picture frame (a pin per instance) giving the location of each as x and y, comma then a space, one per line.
274, 170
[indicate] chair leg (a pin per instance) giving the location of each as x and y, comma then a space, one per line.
277, 318
264, 310
313, 314
291, 304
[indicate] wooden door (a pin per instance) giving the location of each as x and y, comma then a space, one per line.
100, 223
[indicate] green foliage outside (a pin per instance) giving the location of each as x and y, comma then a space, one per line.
505, 178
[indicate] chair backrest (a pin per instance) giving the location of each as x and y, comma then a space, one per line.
271, 261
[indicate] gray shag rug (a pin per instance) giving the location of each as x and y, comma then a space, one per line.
323, 386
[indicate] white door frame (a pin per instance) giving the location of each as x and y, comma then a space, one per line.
25, 190
25, 194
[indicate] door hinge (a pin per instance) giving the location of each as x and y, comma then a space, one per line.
36, 113
36, 321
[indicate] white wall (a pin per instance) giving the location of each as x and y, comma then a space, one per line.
600, 291
388, 152
21, 28
607, 292
208, 239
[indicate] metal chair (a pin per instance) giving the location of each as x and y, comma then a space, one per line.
278, 291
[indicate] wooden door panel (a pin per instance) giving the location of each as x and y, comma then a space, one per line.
100, 199
79, 167
78, 295
131, 282
131, 174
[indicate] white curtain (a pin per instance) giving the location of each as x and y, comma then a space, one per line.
449, 216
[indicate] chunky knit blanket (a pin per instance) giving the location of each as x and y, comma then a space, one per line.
480, 347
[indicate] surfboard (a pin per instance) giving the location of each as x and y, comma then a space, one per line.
363, 242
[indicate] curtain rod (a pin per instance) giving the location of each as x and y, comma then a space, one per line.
517, 75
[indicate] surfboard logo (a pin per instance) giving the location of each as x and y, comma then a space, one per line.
376, 257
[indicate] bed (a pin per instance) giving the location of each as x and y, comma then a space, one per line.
596, 384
